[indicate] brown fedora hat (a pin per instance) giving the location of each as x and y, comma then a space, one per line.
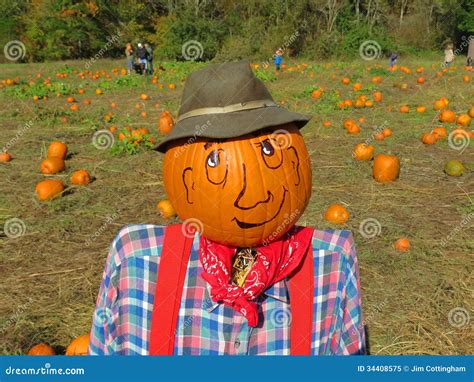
226, 101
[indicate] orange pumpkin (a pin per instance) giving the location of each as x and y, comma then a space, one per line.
5, 157
357, 86
326, 124
429, 138
79, 346
49, 189
404, 109
447, 116
80, 177
57, 149
402, 244
87, 101
377, 96
52, 165
353, 129
440, 132
336, 214
74, 107
315, 94
166, 209
463, 120
387, 132
165, 123
420, 109
420, 80
98, 91
363, 152
240, 191
379, 136
41, 349
346, 81
386, 168
144, 97
70, 100
470, 112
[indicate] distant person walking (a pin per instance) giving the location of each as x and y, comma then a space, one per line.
393, 59
448, 55
470, 52
142, 57
149, 51
278, 59
129, 56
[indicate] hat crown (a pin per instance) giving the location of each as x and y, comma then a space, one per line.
220, 85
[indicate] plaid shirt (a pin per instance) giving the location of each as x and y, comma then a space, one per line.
122, 318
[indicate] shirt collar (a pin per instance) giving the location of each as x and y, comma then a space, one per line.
278, 291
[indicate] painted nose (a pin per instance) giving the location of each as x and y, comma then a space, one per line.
244, 200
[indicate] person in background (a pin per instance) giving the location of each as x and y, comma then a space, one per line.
129, 56
142, 57
470, 52
448, 55
278, 59
393, 59
149, 51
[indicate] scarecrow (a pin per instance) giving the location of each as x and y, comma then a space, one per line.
238, 276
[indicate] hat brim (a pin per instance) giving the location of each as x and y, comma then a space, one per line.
231, 125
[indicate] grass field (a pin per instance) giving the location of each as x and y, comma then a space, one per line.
417, 302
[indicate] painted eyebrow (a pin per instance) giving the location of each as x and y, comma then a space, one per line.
208, 144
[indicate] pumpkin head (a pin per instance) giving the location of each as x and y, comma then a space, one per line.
240, 191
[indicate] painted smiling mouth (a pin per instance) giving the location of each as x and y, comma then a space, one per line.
245, 225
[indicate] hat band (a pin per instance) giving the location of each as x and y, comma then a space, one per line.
258, 104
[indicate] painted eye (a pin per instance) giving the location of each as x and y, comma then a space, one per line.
213, 159
267, 148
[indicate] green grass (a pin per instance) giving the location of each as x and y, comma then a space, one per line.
406, 297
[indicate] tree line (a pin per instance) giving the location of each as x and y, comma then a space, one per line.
228, 29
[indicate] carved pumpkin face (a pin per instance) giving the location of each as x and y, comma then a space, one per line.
242, 191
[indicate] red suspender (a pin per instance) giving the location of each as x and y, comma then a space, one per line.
169, 287
301, 300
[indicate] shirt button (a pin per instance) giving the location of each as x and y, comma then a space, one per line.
237, 343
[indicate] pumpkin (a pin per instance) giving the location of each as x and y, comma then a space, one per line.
171, 86
353, 129
241, 191
454, 168
440, 132
402, 244
326, 124
143, 114
41, 349
420, 109
420, 80
144, 97
346, 81
447, 116
70, 100
377, 96
79, 346
80, 177
429, 138
113, 105
379, 136
404, 109
81, 91
357, 86
165, 123
98, 91
470, 112
52, 165
466, 78
35, 98
74, 107
166, 209
463, 120
57, 149
5, 157
387, 132
87, 101
112, 129
363, 151
49, 189
336, 214
439, 104
386, 168
315, 94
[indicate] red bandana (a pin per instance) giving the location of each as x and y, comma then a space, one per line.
273, 263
